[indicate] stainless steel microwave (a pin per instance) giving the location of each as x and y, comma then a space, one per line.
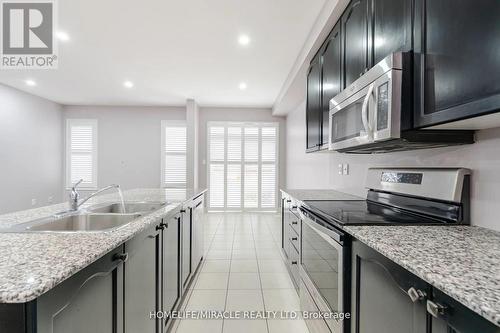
375, 113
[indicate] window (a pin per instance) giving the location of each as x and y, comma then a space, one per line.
173, 159
81, 152
242, 165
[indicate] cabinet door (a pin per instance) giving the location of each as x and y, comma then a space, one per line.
378, 281
331, 79
313, 107
142, 281
89, 301
170, 265
457, 63
286, 226
456, 318
391, 28
197, 232
355, 41
186, 249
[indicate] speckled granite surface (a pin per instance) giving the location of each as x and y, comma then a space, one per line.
33, 263
304, 195
463, 262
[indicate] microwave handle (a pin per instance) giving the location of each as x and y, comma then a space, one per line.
364, 111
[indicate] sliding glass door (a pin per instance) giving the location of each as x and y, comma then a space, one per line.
242, 166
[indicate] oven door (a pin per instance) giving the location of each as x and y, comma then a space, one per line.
322, 269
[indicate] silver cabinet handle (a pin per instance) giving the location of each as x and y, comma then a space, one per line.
416, 295
435, 309
123, 257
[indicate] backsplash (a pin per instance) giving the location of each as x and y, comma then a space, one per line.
320, 170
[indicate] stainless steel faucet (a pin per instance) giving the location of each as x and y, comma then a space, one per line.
74, 196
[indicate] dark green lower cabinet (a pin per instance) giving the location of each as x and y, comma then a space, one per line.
170, 266
142, 281
449, 316
382, 295
91, 301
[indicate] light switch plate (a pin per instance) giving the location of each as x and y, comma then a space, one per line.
33, 202
341, 169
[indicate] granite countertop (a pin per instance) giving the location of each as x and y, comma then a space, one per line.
304, 195
33, 263
461, 261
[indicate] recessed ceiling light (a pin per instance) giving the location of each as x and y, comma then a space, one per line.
128, 84
30, 83
244, 40
62, 36
243, 86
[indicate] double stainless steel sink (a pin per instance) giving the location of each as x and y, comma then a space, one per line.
99, 217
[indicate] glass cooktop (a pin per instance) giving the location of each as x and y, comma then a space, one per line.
363, 212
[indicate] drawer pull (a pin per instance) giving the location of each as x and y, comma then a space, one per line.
294, 238
295, 222
436, 309
416, 295
294, 262
123, 257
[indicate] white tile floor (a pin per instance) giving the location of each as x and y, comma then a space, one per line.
243, 270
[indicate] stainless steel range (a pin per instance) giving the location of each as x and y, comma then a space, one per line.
397, 196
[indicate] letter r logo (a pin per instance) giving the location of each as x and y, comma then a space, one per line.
27, 27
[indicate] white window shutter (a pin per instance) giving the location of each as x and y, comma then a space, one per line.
174, 152
81, 152
242, 165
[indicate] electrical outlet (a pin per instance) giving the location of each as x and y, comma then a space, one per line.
50, 199
33, 202
346, 169
341, 169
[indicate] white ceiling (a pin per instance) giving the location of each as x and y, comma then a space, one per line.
173, 50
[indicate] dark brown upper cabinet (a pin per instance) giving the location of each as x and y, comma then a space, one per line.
390, 28
355, 22
456, 60
331, 79
313, 107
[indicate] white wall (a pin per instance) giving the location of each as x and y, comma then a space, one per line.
129, 141
319, 170
237, 114
30, 150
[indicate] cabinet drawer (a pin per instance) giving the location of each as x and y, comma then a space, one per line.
294, 265
294, 241
294, 224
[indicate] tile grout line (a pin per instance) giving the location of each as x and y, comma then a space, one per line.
228, 276
260, 280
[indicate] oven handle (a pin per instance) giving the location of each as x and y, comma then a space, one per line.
364, 112
330, 236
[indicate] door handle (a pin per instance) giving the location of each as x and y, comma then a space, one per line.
364, 112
